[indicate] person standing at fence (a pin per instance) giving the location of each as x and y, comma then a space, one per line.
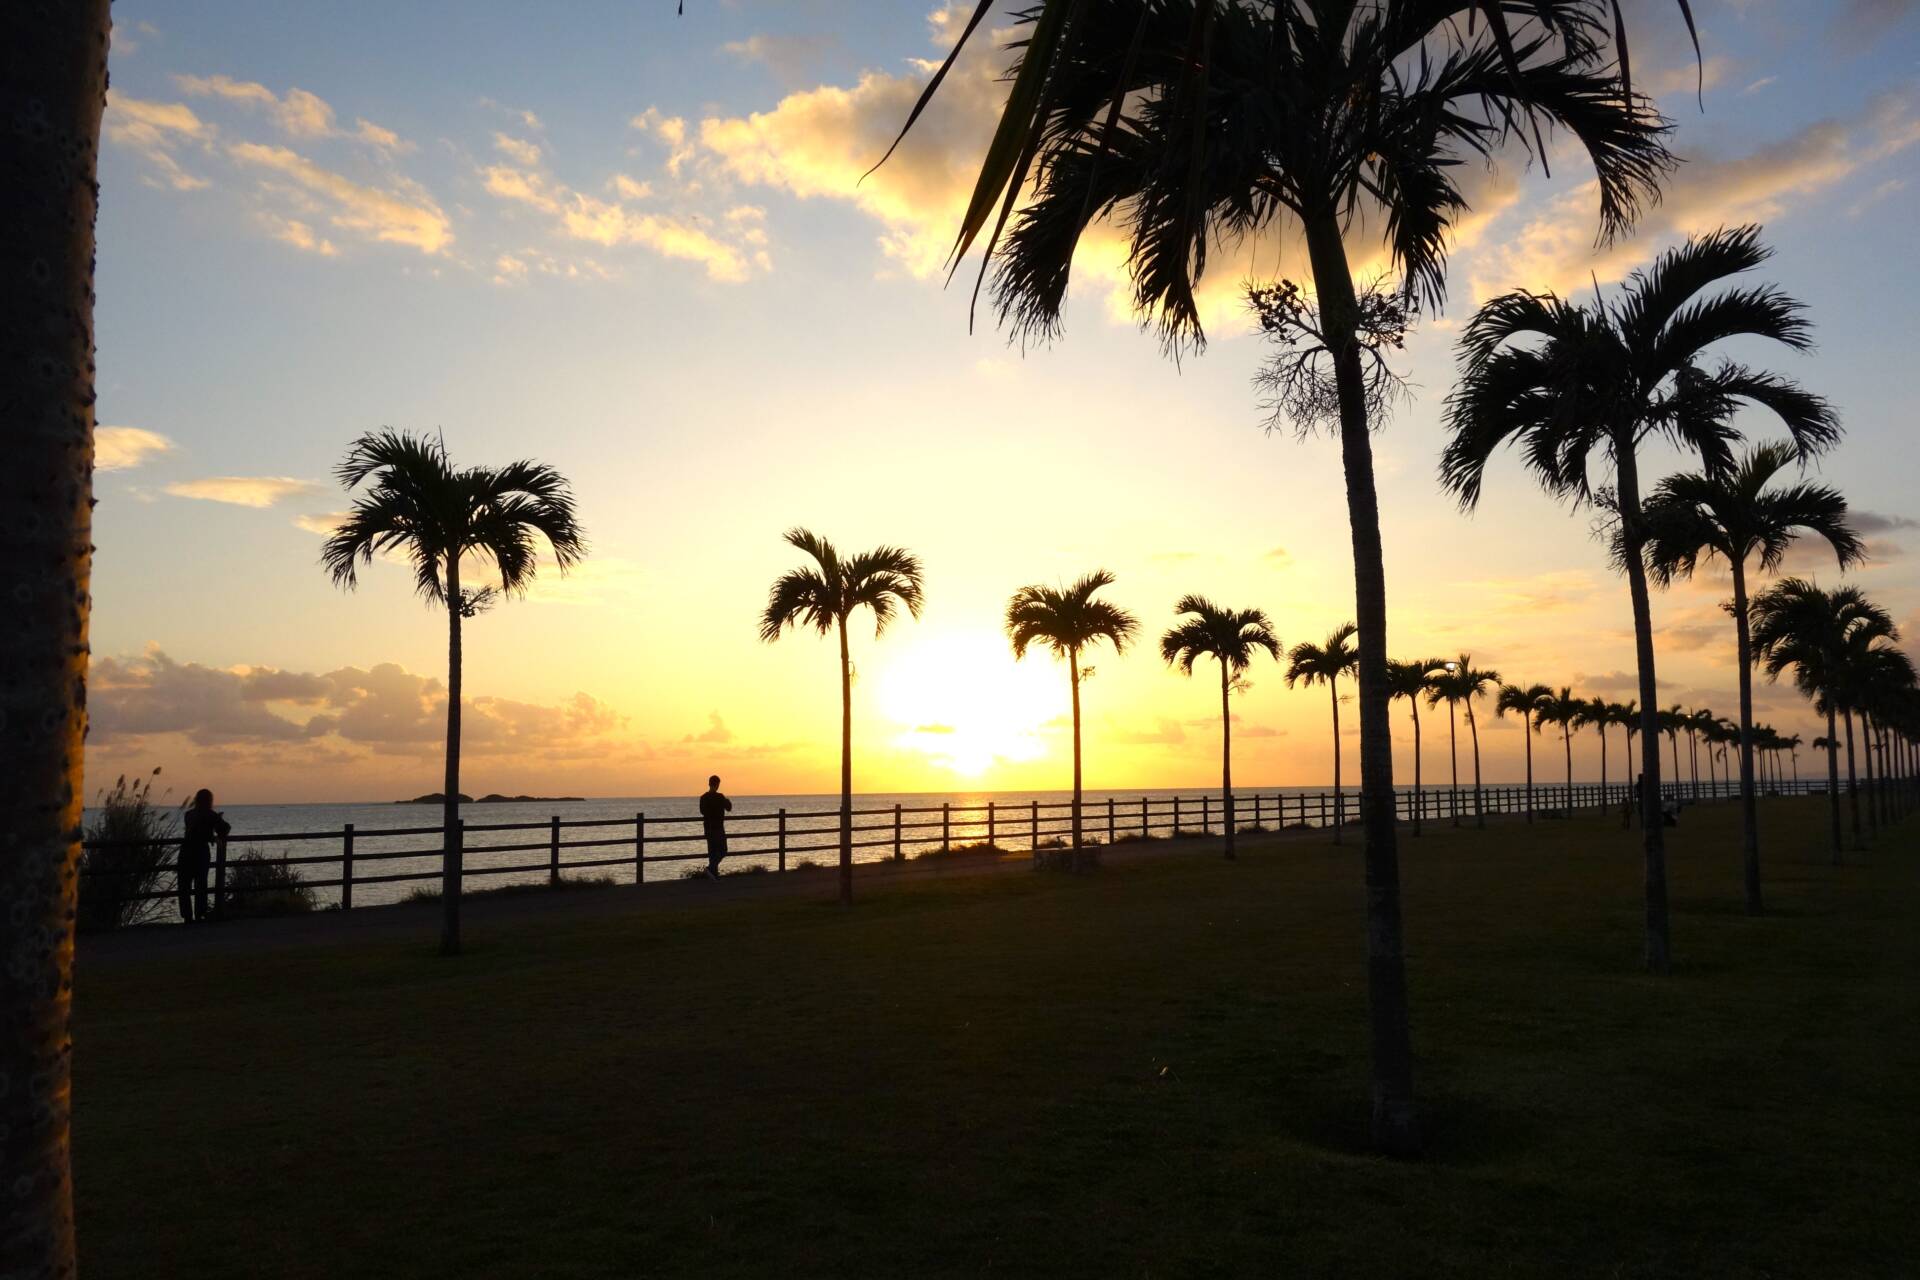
200, 828
714, 808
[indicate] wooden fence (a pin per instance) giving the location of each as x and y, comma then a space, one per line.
374, 860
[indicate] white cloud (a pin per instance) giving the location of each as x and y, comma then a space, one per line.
517, 150
298, 234
123, 448
242, 491
155, 130
411, 218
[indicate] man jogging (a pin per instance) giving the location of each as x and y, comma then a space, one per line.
714, 808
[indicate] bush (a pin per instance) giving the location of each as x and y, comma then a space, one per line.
424, 894
258, 885
140, 838
1251, 829
976, 850
1136, 837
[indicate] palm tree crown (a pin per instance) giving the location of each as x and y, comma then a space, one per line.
1068, 619
826, 593
438, 516
1311, 664
1735, 515
1232, 636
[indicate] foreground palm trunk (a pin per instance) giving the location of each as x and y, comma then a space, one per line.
1833, 786
1659, 958
1749, 803
1226, 754
453, 843
53, 82
1394, 1127
1073, 673
846, 770
1479, 801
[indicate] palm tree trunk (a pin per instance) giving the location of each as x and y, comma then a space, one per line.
1653, 827
1526, 738
1393, 1124
1226, 754
1750, 806
451, 845
1566, 740
52, 92
1674, 740
1418, 802
1073, 675
1479, 806
1601, 729
1453, 754
1853, 782
1339, 805
846, 769
1866, 760
1626, 817
1833, 780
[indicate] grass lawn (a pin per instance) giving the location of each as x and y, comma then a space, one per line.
1159, 1070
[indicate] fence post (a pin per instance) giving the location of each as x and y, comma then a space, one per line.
220, 876
1145, 823
346, 868
1176, 817
990, 832
783, 839
1206, 815
896, 831
553, 851
1111, 830
639, 848
1033, 831
946, 826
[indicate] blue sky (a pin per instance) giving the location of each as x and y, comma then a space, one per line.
631, 244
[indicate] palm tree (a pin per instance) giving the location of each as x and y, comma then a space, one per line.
1567, 382
1793, 755
1468, 685
1564, 711
445, 521
823, 596
1414, 681
1311, 664
1627, 716
1232, 637
1068, 621
1597, 712
1528, 701
1696, 722
52, 93
1446, 686
1671, 722
1819, 633
1736, 516
1186, 122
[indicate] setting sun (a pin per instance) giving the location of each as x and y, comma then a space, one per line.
961, 700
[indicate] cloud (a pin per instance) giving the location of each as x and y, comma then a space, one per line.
612, 223
298, 114
1554, 591
1618, 683
1167, 732
716, 731
156, 130
322, 525
517, 150
123, 448
1554, 247
1278, 557
1687, 77
383, 708
1875, 522
242, 491
298, 234
409, 218
1863, 22
1757, 85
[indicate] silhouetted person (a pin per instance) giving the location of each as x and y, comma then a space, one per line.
714, 808
201, 827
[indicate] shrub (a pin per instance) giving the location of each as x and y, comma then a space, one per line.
258, 885
1135, 837
1251, 829
423, 894
140, 838
978, 849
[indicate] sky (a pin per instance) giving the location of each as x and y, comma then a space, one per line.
636, 246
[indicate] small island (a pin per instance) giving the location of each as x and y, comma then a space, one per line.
440, 797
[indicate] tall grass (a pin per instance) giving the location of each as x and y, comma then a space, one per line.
138, 837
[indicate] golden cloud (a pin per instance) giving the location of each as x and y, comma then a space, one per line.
122, 448
411, 218
242, 491
154, 129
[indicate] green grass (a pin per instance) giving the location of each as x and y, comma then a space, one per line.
1158, 1070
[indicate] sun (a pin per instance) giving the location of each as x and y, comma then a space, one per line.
963, 702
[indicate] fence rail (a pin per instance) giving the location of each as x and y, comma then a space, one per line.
787, 839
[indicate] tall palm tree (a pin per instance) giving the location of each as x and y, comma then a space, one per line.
1598, 712
1696, 721
1818, 633
446, 521
1414, 681
1736, 516
823, 596
1311, 664
1069, 621
1445, 686
1793, 756
1528, 701
1627, 716
53, 89
1671, 722
1565, 712
1231, 637
1468, 685
1568, 382
1188, 122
